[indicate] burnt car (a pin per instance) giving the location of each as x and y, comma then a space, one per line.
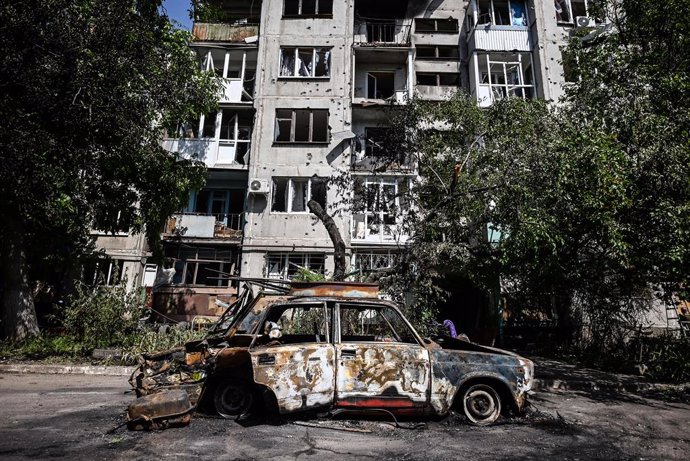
339, 347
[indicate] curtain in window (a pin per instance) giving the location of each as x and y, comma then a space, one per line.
519, 13
287, 62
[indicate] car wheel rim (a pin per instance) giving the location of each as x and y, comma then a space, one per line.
232, 400
482, 405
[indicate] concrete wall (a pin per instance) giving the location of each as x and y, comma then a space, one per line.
268, 231
548, 37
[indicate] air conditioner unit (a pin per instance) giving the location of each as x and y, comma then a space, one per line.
258, 186
584, 21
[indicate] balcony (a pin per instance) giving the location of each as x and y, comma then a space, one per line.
204, 226
501, 75
236, 90
213, 152
214, 32
382, 33
498, 38
379, 207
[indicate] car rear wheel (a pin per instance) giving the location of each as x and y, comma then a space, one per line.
233, 398
481, 404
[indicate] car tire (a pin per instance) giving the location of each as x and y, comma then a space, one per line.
481, 404
233, 398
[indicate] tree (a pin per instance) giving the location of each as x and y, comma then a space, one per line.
88, 86
588, 202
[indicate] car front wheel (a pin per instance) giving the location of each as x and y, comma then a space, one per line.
233, 398
481, 404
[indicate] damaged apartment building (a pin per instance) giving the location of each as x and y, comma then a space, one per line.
306, 84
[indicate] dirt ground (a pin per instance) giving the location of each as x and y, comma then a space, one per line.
70, 416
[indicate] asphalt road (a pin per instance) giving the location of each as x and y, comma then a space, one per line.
69, 416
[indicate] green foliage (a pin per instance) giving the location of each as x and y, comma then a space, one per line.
663, 358
304, 274
88, 88
585, 204
151, 338
43, 347
103, 316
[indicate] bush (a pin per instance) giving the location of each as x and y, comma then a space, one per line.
42, 347
103, 316
664, 358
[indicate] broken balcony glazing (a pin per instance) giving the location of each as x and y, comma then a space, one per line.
501, 75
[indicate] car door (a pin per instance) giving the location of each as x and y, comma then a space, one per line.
298, 364
379, 361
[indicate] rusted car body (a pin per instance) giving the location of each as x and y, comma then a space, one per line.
356, 353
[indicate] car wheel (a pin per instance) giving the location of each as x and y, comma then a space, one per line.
233, 398
481, 404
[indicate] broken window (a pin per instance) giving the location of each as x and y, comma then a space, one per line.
568, 11
235, 134
374, 260
307, 8
301, 125
305, 62
104, 271
297, 324
291, 195
373, 323
227, 205
378, 208
501, 12
204, 266
437, 52
208, 125
380, 85
375, 141
285, 266
506, 75
444, 79
427, 25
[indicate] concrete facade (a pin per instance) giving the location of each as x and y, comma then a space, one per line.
305, 88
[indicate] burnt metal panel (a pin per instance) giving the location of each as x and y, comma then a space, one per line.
301, 376
212, 32
452, 368
388, 375
338, 289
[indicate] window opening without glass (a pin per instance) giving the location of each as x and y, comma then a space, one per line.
285, 266
305, 62
291, 195
307, 8
301, 126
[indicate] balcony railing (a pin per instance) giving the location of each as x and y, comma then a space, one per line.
382, 33
208, 226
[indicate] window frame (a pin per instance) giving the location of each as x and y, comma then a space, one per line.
378, 212
379, 308
293, 120
438, 79
418, 21
285, 263
571, 15
524, 69
436, 56
295, 70
316, 14
492, 14
289, 192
